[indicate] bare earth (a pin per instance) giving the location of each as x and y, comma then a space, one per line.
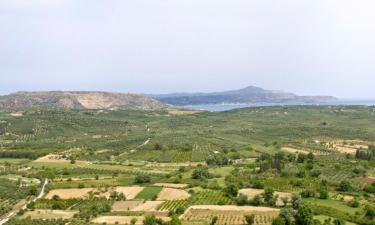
295, 150
17, 114
50, 214
52, 158
366, 180
347, 146
345, 149
149, 206
171, 185
250, 192
129, 192
170, 194
125, 205
345, 198
69, 193
117, 219
121, 219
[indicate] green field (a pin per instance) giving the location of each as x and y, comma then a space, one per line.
323, 218
149, 193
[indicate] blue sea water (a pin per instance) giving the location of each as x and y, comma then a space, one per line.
226, 107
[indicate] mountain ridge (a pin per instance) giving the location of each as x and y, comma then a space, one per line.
78, 100
249, 94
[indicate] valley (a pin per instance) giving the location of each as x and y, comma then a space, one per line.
254, 166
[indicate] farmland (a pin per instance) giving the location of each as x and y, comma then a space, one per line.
267, 164
230, 214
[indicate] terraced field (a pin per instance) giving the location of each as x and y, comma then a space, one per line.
232, 215
173, 205
210, 197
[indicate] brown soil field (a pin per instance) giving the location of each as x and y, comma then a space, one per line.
170, 194
250, 192
52, 158
345, 198
366, 180
125, 205
50, 214
69, 193
17, 114
295, 150
171, 185
345, 149
347, 146
117, 220
129, 192
121, 219
149, 206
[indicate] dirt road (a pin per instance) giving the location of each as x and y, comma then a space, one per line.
24, 206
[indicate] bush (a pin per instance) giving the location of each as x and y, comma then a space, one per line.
142, 179
344, 186
316, 173
201, 174
354, 203
308, 193
242, 200
323, 193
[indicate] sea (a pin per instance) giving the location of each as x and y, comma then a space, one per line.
227, 107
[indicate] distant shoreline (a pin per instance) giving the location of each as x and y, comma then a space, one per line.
230, 106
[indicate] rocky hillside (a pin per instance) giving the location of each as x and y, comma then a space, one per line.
249, 95
77, 100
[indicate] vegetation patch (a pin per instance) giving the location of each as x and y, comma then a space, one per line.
149, 193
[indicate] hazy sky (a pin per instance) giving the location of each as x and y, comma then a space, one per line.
308, 47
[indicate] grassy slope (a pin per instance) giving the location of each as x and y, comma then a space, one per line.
190, 137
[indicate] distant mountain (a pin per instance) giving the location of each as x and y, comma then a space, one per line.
77, 100
250, 95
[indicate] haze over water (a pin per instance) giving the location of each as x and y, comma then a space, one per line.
226, 107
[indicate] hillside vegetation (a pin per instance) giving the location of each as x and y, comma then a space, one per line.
297, 165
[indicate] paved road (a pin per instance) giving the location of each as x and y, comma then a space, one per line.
23, 207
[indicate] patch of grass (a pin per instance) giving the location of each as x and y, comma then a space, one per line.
209, 197
322, 218
64, 165
149, 193
13, 161
338, 205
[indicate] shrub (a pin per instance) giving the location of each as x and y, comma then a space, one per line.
142, 178
344, 186
200, 173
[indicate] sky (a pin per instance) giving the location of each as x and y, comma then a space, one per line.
309, 47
